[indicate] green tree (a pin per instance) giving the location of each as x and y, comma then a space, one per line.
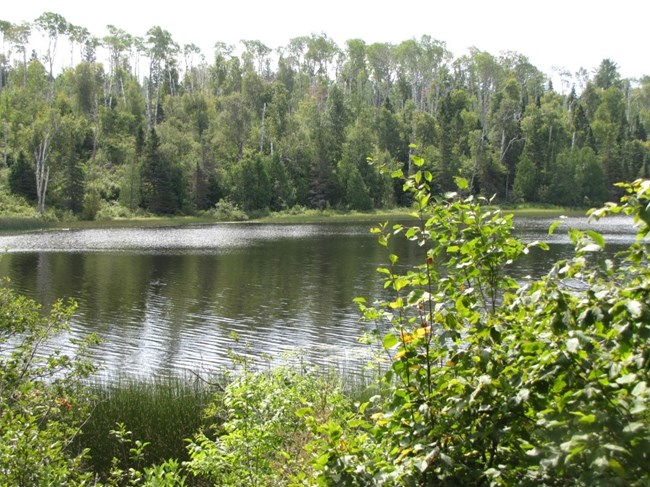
590, 178
563, 189
355, 190
162, 185
607, 74
53, 25
282, 190
505, 133
22, 178
249, 185
454, 146
526, 181
161, 50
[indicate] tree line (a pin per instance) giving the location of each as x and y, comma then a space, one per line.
156, 127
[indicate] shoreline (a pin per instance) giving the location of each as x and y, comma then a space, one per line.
14, 225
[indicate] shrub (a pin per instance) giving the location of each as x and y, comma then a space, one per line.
496, 382
42, 399
260, 437
225, 210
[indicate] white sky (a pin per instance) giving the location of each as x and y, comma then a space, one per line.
552, 33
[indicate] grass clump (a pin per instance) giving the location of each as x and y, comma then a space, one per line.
163, 412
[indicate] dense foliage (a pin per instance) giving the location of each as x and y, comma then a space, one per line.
259, 437
43, 402
495, 382
132, 124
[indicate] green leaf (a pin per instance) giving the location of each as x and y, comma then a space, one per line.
321, 462
591, 248
639, 407
461, 183
401, 283
613, 447
597, 238
389, 341
304, 412
640, 389
616, 466
587, 419
553, 226
633, 427
635, 308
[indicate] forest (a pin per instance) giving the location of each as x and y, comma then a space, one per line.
122, 125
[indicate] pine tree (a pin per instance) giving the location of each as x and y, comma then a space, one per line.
161, 183
22, 178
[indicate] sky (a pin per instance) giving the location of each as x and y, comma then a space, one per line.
553, 34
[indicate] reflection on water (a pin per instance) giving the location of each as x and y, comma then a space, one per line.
167, 300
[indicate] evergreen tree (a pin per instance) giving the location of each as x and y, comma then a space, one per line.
162, 186
249, 183
22, 178
356, 191
590, 178
282, 191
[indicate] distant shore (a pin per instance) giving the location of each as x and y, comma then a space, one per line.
10, 224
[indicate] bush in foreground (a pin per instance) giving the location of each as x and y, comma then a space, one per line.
493, 382
259, 437
43, 402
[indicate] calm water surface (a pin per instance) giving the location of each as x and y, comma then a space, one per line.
166, 300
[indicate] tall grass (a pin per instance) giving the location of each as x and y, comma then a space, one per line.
164, 412
16, 224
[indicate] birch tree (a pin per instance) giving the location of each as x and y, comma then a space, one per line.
18, 36
53, 26
118, 42
44, 133
161, 51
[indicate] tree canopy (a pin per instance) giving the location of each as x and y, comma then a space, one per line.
160, 127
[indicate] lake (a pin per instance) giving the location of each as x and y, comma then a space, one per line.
166, 301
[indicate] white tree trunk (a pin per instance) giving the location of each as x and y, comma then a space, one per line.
42, 171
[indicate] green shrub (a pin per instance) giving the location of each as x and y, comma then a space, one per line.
43, 402
260, 437
225, 210
493, 382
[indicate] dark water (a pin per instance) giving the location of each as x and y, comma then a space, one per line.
167, 300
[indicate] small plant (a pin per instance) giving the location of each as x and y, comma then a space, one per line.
260, 435
122, 470
225, 210
129, 469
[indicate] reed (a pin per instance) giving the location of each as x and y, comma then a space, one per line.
161, 411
